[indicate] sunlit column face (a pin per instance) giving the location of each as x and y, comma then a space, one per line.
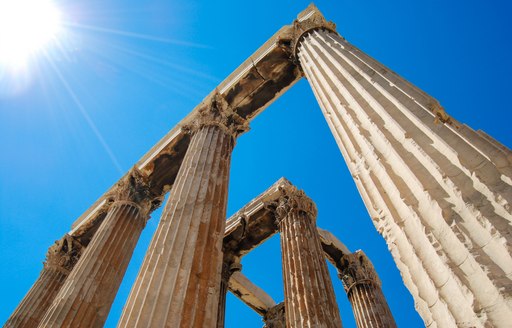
26, 26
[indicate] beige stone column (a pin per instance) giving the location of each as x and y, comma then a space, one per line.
179, 282
87, 295
275, 317
442, 190
364, 292
60, 260
230, 265
309, 295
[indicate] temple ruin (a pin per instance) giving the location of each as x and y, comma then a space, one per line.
437, 191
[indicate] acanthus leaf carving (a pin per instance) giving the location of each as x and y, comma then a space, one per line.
135, 188
311, 20
216, 112
275, 317
356, 268
293, 199
64, 254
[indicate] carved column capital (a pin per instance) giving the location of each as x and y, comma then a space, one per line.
230, 265
275, 317
355, 269
63, 255
134, 188
294, 200
216, 112
309, 20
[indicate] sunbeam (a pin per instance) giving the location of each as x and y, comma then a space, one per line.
86, 116
171, 65
136, 35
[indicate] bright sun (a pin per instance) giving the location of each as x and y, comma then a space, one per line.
25, 27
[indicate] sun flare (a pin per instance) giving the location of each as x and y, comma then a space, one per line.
26, 26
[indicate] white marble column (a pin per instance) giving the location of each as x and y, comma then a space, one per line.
87, 295
60, 260
179, 282
309, 295
363, 288
442, 190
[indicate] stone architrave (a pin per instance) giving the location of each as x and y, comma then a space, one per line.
87, 294
60, 260
309, 295
364, 292
441, 191
178, 284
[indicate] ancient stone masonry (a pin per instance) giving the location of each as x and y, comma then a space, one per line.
230, 265
88, 292
362, 286
275, 317
309, 295
439, 192
182, 267
263, 217
60, 260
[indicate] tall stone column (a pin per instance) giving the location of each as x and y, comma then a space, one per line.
60, 260
179, 281
443, 189
362, 286
87, 295
309, 295
230, 265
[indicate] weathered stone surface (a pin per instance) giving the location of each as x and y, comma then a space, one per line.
252, 295
253, 86
362, 286
179, 282
439, 192
88, 292
230, 265
275, 317
60, 260
443, 206
309, 296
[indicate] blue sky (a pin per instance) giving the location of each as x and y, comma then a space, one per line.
128, 71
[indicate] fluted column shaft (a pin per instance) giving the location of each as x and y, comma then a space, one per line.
309, 295
362, 286
440, 186
229, 266
60, 260
87, 295
179, 281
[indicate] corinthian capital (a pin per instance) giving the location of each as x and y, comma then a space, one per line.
216, 112
308, 20
63, 255
275, 317
294, 200
356, 268
134, 188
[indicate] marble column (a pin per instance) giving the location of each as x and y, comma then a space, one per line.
87, 294
309, 295
445, 189
178, 284
275, 317
364, 292
230, 265
60, 260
